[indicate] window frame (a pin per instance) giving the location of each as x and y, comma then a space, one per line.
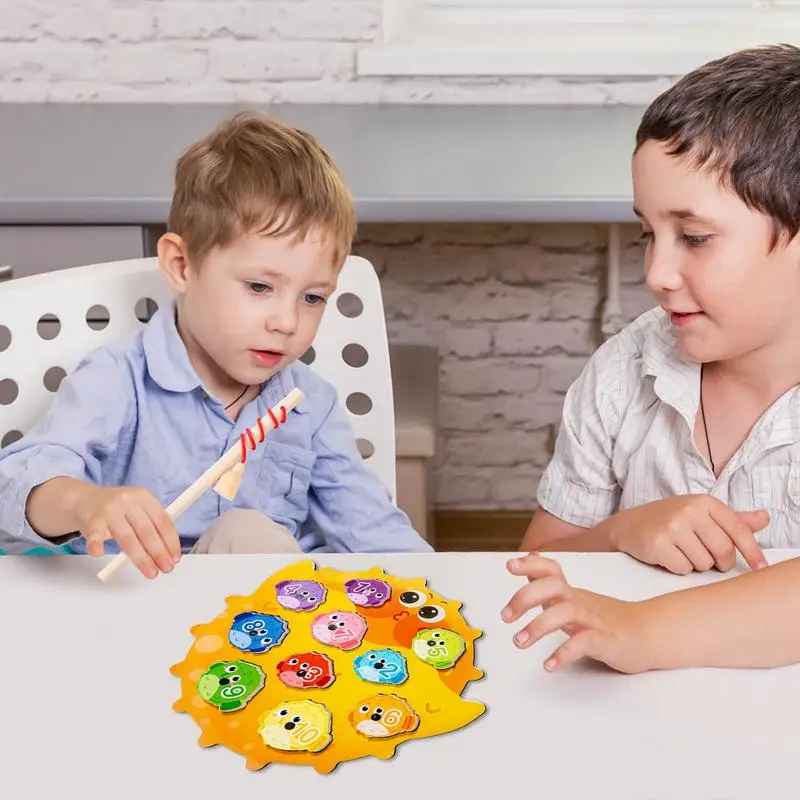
533, 38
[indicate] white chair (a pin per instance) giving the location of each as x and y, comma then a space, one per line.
48, 322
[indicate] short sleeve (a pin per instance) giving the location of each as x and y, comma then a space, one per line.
579, 485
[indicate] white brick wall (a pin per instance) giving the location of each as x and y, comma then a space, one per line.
514, 312
513, 308
248, 50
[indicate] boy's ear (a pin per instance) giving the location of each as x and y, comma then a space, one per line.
173, 261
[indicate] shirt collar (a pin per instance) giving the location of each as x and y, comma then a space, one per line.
169, 365
167, 360
677, 382
676, 379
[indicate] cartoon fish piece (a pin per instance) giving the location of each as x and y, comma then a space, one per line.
382, 716
300, 595
370, 592
257, 633
309, 670
382, 666
230, 685
438, 647
342, 629
303, 725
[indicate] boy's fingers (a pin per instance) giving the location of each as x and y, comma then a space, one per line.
750, 549
575, 648
147, 534
166, 528
741, 534
675, 561
719, 545
745, 542
535, 566
755, 520
532, 595
129, 543
95, 537
554, 619
693, 547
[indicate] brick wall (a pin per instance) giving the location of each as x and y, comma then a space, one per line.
514, 311
251, 50
513, 308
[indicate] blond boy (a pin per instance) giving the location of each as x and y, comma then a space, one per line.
260, 225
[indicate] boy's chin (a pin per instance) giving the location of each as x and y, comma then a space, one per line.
702, 352
693, 348
249, 375
253, 377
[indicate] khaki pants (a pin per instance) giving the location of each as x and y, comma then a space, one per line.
244, 530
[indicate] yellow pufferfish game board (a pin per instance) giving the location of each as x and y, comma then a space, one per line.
321, 667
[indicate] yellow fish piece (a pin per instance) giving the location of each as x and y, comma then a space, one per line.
297, 725
324, 725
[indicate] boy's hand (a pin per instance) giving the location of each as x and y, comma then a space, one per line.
689, 532
136, 520
603, 628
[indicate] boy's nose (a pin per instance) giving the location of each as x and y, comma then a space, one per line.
283, 320
662, 273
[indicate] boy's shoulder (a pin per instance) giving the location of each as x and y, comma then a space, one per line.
153, 354
320, 394
125, 355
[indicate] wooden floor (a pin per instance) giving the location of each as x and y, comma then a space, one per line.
480, 530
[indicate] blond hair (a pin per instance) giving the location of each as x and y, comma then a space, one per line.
255, 175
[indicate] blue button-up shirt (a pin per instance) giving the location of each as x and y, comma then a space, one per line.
137, 414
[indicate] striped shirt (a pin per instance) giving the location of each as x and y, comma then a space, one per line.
626, 438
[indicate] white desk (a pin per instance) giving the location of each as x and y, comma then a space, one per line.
87, 697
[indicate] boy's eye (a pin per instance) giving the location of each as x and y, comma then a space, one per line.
314, 299
258, 288
645, 236
695, 241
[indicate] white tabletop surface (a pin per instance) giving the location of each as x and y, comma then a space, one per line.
87, 696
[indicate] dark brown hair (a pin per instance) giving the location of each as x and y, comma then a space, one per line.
253, 174
739, 116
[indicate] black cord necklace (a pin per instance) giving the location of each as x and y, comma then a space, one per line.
234, 402
705, 426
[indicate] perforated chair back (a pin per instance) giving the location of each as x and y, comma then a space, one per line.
49, 322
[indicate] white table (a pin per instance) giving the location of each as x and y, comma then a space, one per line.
87, 696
